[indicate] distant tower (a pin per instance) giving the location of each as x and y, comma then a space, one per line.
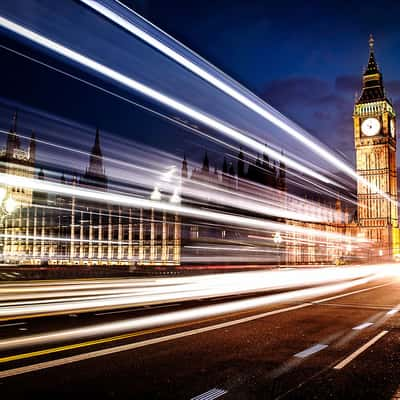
184, 171
95, 174
32, 148
14, 160
375, 145
206, 164
13, 142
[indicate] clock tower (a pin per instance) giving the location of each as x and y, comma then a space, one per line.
375, 145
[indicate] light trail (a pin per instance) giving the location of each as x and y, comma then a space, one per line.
19, 301
277, 212
249, 100
158, 96
221, 195
175, 121
336, 280
131, 201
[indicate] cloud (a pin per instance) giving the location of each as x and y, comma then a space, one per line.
322, 115
294, 90
347, 83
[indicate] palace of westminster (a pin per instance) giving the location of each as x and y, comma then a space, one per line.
60, 229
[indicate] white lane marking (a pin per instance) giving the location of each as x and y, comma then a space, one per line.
392, 312
136, 345
362, 326
311, 350
350, 293
22, 329
210, 395
73, 315
14, 324
352, 356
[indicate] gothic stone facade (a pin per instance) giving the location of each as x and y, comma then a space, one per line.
68, 231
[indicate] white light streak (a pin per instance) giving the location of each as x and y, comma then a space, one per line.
209, 286
256, 105
159, 97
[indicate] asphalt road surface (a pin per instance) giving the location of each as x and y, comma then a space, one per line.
341, 346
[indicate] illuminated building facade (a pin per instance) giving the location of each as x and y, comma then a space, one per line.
375, 145
70, 231
316, 248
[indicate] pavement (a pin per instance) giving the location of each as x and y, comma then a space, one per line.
340, 346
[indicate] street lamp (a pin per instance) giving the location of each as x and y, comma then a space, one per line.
175, 198
155, 194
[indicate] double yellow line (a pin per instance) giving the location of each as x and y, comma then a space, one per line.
110, 339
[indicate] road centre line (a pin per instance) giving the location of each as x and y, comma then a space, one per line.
145, 308
355, 354
144, 343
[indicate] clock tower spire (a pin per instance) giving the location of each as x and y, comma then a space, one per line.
375, 144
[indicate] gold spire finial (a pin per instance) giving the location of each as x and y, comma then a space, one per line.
371, 42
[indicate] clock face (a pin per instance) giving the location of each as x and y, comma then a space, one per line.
392, 128
370, 127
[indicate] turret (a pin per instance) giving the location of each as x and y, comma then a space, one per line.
184, 171
32, 148
95, 173
206, 164
12, 137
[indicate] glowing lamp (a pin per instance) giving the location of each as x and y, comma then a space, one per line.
155, 195
277, 238
10, 205
175, 198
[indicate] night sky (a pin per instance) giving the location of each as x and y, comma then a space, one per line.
304, 58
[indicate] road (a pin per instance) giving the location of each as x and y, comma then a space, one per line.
342, 345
